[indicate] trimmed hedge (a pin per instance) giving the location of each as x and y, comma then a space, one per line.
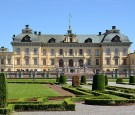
75, 81
98, 82
121, 94
132, 79
108, 101
119, 80
3, 90
7, 110
83, 79
63, 79
122, 89
77, 92
67, 105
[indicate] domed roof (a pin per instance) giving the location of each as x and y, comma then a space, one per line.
33, 37
109, 37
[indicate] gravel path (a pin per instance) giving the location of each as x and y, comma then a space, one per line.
60, 90
82, 109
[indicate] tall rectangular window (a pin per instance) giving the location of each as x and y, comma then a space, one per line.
18, 61
116, 61
27, 51
52, 51
27, 61
61, 51
9, 61
89, 62
107, 51
97, 61
125, 51
80, 51
71, 40
2, 61
124, 61
52, 61
116, 51
35, 61
97, 52
18, 51
89, 52
35, 51
70, 51
108, 61
44, 51
44, 61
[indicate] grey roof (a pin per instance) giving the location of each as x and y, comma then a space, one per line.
106, 37
59, 38
109, 37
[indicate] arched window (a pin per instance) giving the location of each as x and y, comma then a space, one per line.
80, 62
71, 63
61, 64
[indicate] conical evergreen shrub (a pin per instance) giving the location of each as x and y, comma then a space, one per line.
83, 79
132, 79
3, 90
98, 82
63, 79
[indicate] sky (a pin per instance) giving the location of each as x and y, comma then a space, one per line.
52, 17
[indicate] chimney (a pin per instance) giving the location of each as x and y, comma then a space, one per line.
107, 31
100, 33
27, 26
39, 33
35, 32
113, 27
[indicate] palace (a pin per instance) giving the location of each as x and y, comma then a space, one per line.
106, 51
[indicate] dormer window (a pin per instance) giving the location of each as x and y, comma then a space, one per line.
26, 39
52, 40
89, 40
116, 39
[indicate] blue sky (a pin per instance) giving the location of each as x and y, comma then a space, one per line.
51, 17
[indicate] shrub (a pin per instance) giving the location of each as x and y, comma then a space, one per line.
119, 80
63, 79
58, 79
98, 82
132, 79
75, 81
106, 81
108, 101
3, 90
83, 79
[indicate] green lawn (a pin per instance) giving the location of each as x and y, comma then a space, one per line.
31, 80
29, 91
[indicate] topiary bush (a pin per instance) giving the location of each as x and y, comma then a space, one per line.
119, 80
132, 79
83, 79
3, 90
98, 82
58, 79
75, 81
106, 81
63, 79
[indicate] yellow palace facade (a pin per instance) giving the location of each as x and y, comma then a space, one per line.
106, 51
